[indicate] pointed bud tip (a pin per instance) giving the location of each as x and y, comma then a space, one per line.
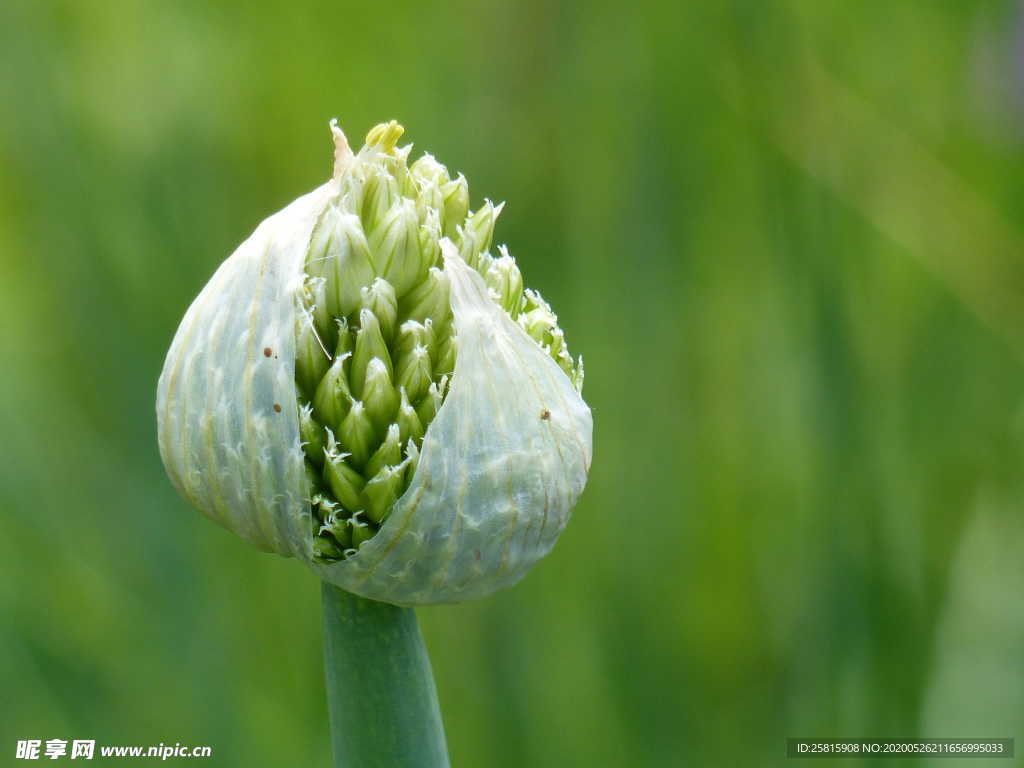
377, 368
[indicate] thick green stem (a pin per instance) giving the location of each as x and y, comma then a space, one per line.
380, 689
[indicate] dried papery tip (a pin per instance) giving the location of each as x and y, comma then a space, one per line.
342, 151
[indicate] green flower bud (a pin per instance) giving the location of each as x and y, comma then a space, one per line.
315, 299
456, 205
381, 493
388, 454
427, 170
430, 238
326, 548
313, 481
481, 224
414, 372
358, 434
412, 461
312, 434
344, 482
560, 352
370, 345
484, 261
429, 299
576, 377
379, 299
504, 279
340, 529
380, 193
339, 256
332, 398
414, 334
469, 248
444, 363
430, 200
409, 425
537, 319
430, 404
346, 340
379, 395
354, 389
362, 531
311, 358
396, 246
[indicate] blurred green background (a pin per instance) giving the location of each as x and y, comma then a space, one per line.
786, 237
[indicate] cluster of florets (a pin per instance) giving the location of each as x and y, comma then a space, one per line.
376, 347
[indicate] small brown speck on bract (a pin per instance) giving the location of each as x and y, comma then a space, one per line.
277, 408
267, 351
477, 554
545, 415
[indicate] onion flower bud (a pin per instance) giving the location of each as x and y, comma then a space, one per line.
363, 386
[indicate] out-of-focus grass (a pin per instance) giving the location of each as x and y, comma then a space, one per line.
786, 238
